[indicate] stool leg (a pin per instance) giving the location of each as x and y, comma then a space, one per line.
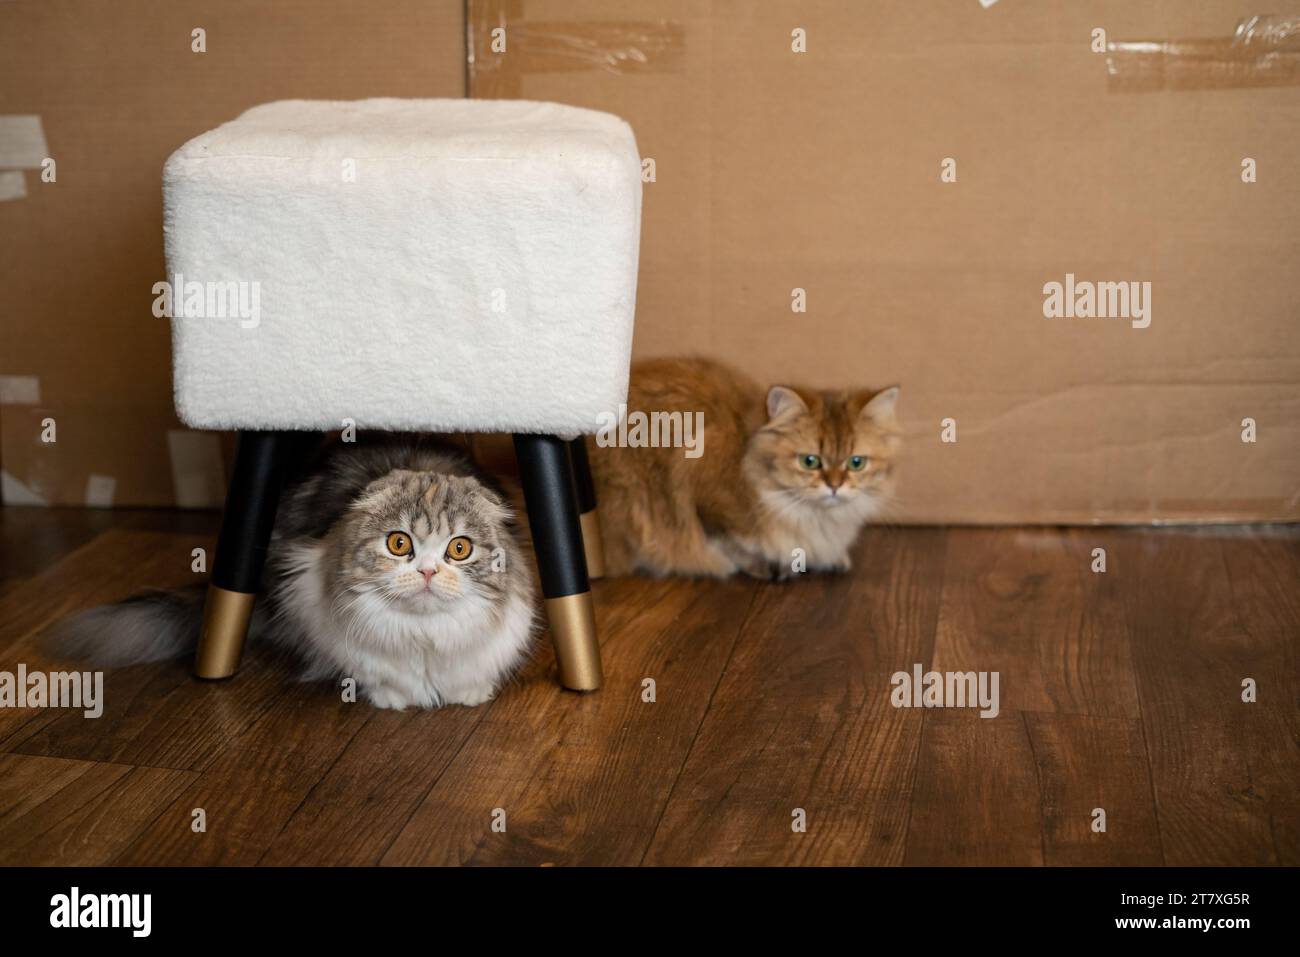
547, 477
241, 551
585, 490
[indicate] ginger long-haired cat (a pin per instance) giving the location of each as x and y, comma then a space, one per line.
780, 469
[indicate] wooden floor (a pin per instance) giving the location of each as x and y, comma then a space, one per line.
1119, 691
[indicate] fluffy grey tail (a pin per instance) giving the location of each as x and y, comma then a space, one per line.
152, 626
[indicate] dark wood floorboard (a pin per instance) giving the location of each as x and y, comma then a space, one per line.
352, 815
1025, 603
802, 719
1205, 611
1085, 764
255, 785
33, 539
108, 568
1119, 691
57, 811
582, 780
976, 799
154, 715
1267, 601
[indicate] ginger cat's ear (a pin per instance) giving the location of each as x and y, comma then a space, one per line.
781, 401
880, 408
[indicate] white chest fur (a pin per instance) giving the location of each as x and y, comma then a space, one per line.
822, 535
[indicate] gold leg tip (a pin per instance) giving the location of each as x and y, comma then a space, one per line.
577, 650
225, 625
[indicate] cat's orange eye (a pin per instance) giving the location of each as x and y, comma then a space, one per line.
459, 549
399, 544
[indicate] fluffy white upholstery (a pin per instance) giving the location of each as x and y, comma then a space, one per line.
476, 271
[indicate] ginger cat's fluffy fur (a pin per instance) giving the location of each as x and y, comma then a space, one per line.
782, 469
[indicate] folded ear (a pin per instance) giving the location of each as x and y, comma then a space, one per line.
781, 401
495, 505
880, 408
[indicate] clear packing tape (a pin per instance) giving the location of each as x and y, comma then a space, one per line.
505, 46
1264, 51
611, 47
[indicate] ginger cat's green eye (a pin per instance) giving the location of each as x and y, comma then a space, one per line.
857, 463
459, 549
399, 544
811, 462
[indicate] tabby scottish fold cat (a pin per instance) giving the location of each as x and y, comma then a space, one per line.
781, 469
392, 562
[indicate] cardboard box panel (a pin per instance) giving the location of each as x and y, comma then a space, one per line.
117, 88
821, 171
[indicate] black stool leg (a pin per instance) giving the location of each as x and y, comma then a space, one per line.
585, 490
241, 551
547, 477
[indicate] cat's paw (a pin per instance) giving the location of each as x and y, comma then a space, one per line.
388, 698
784, 573
837, 567
758, 567
472, 696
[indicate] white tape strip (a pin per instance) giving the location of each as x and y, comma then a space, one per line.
22, 142
13, 184
20, 390
100, 490
14, 492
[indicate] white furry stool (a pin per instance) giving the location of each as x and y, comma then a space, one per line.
422, 265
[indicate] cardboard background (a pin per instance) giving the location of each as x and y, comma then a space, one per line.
775, 170
778, 170
118, 89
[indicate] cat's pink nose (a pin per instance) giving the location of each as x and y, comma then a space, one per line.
428, 574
